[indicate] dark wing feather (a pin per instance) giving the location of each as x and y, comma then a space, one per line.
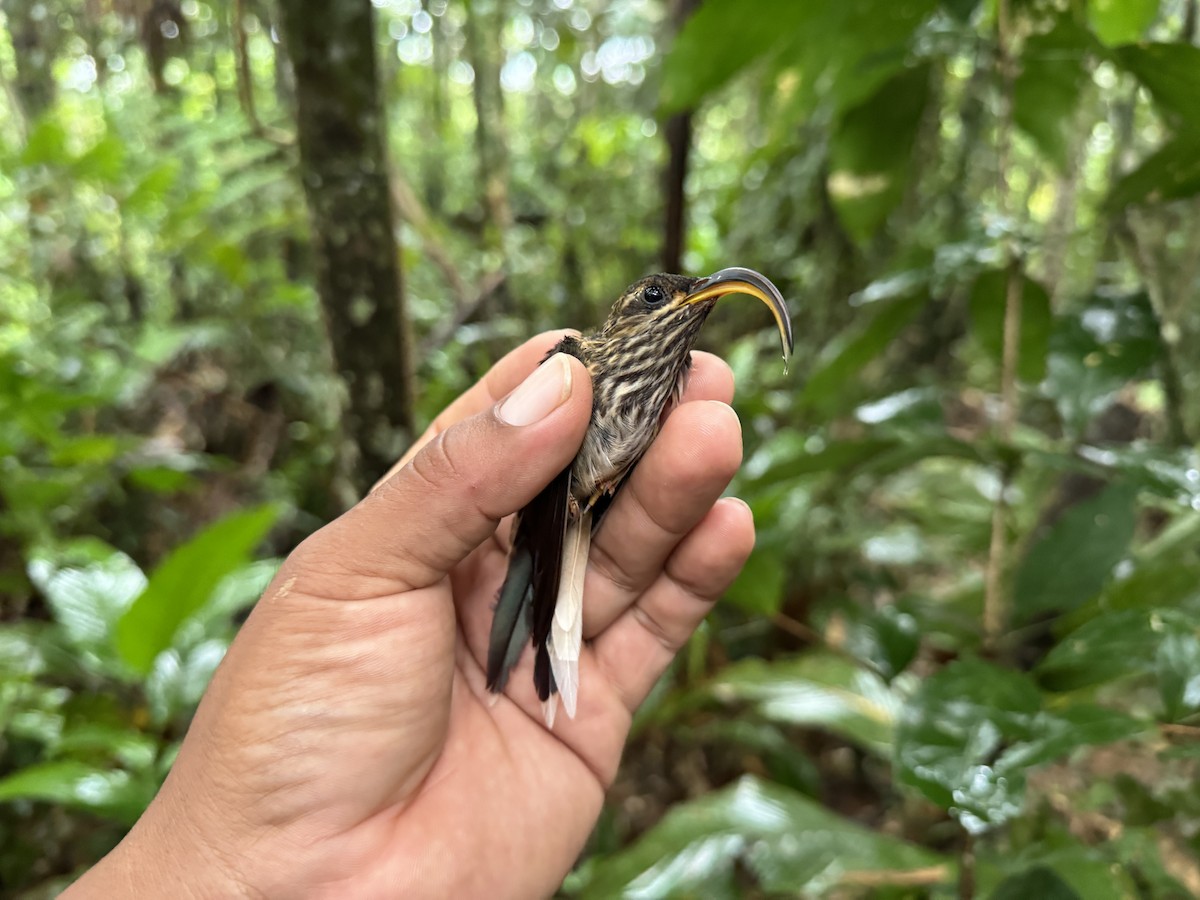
526, 600
527, 597
510, 621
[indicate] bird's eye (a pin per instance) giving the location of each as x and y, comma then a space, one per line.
654, 295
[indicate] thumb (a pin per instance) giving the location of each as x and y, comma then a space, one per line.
450, 497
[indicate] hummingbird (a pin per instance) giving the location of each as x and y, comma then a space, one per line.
638, 361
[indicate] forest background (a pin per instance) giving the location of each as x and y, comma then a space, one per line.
248, 246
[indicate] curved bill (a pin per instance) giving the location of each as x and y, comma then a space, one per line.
737, 280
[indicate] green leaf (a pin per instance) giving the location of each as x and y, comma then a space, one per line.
46, 144
112, 793
988, 302
103, 162
871, 150
152, 188
1096, 350
1170, 72
1039, 882
1178, 664
829, 386
973, 731
94, 742
818, 690
693, 70
1086, 870
888, 638
962, 10
836, 51
1171, 173
788, 844
785, 760
185, 581
1047, 90
1121, 21
179, 678
85, 449
89, 586
758, 588
1070, 562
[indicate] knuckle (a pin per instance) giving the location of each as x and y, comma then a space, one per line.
436, 467
603, 562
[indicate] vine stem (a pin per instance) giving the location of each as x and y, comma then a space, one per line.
995, 603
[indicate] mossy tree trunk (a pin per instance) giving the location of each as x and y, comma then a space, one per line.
341, 132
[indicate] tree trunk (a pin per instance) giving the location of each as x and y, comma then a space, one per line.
678, 134
341, 133
484, 23
36, 37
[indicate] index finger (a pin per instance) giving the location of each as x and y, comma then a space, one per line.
499, 381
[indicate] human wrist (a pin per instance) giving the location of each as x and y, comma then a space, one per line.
163, 855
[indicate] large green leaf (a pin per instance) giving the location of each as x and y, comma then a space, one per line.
871, 149
695, 69
1170, 72
1121, 21
1068, 564
989, 299
185, 581
113, 793
818, 690
787, 843
842, 51
973, 731
1047, 90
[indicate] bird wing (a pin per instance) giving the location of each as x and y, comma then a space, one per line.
526, 599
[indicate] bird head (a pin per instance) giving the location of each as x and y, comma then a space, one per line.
676, 305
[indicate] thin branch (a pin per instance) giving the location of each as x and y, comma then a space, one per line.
245, 82
467, 302
929, 875
966, 859
488, 286
411, 210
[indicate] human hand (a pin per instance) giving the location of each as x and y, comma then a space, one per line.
347, 745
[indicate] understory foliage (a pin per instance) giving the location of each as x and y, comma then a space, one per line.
964, 659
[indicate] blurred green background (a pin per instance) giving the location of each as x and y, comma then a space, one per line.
248, 247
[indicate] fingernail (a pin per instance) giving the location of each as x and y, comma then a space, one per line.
540, 394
